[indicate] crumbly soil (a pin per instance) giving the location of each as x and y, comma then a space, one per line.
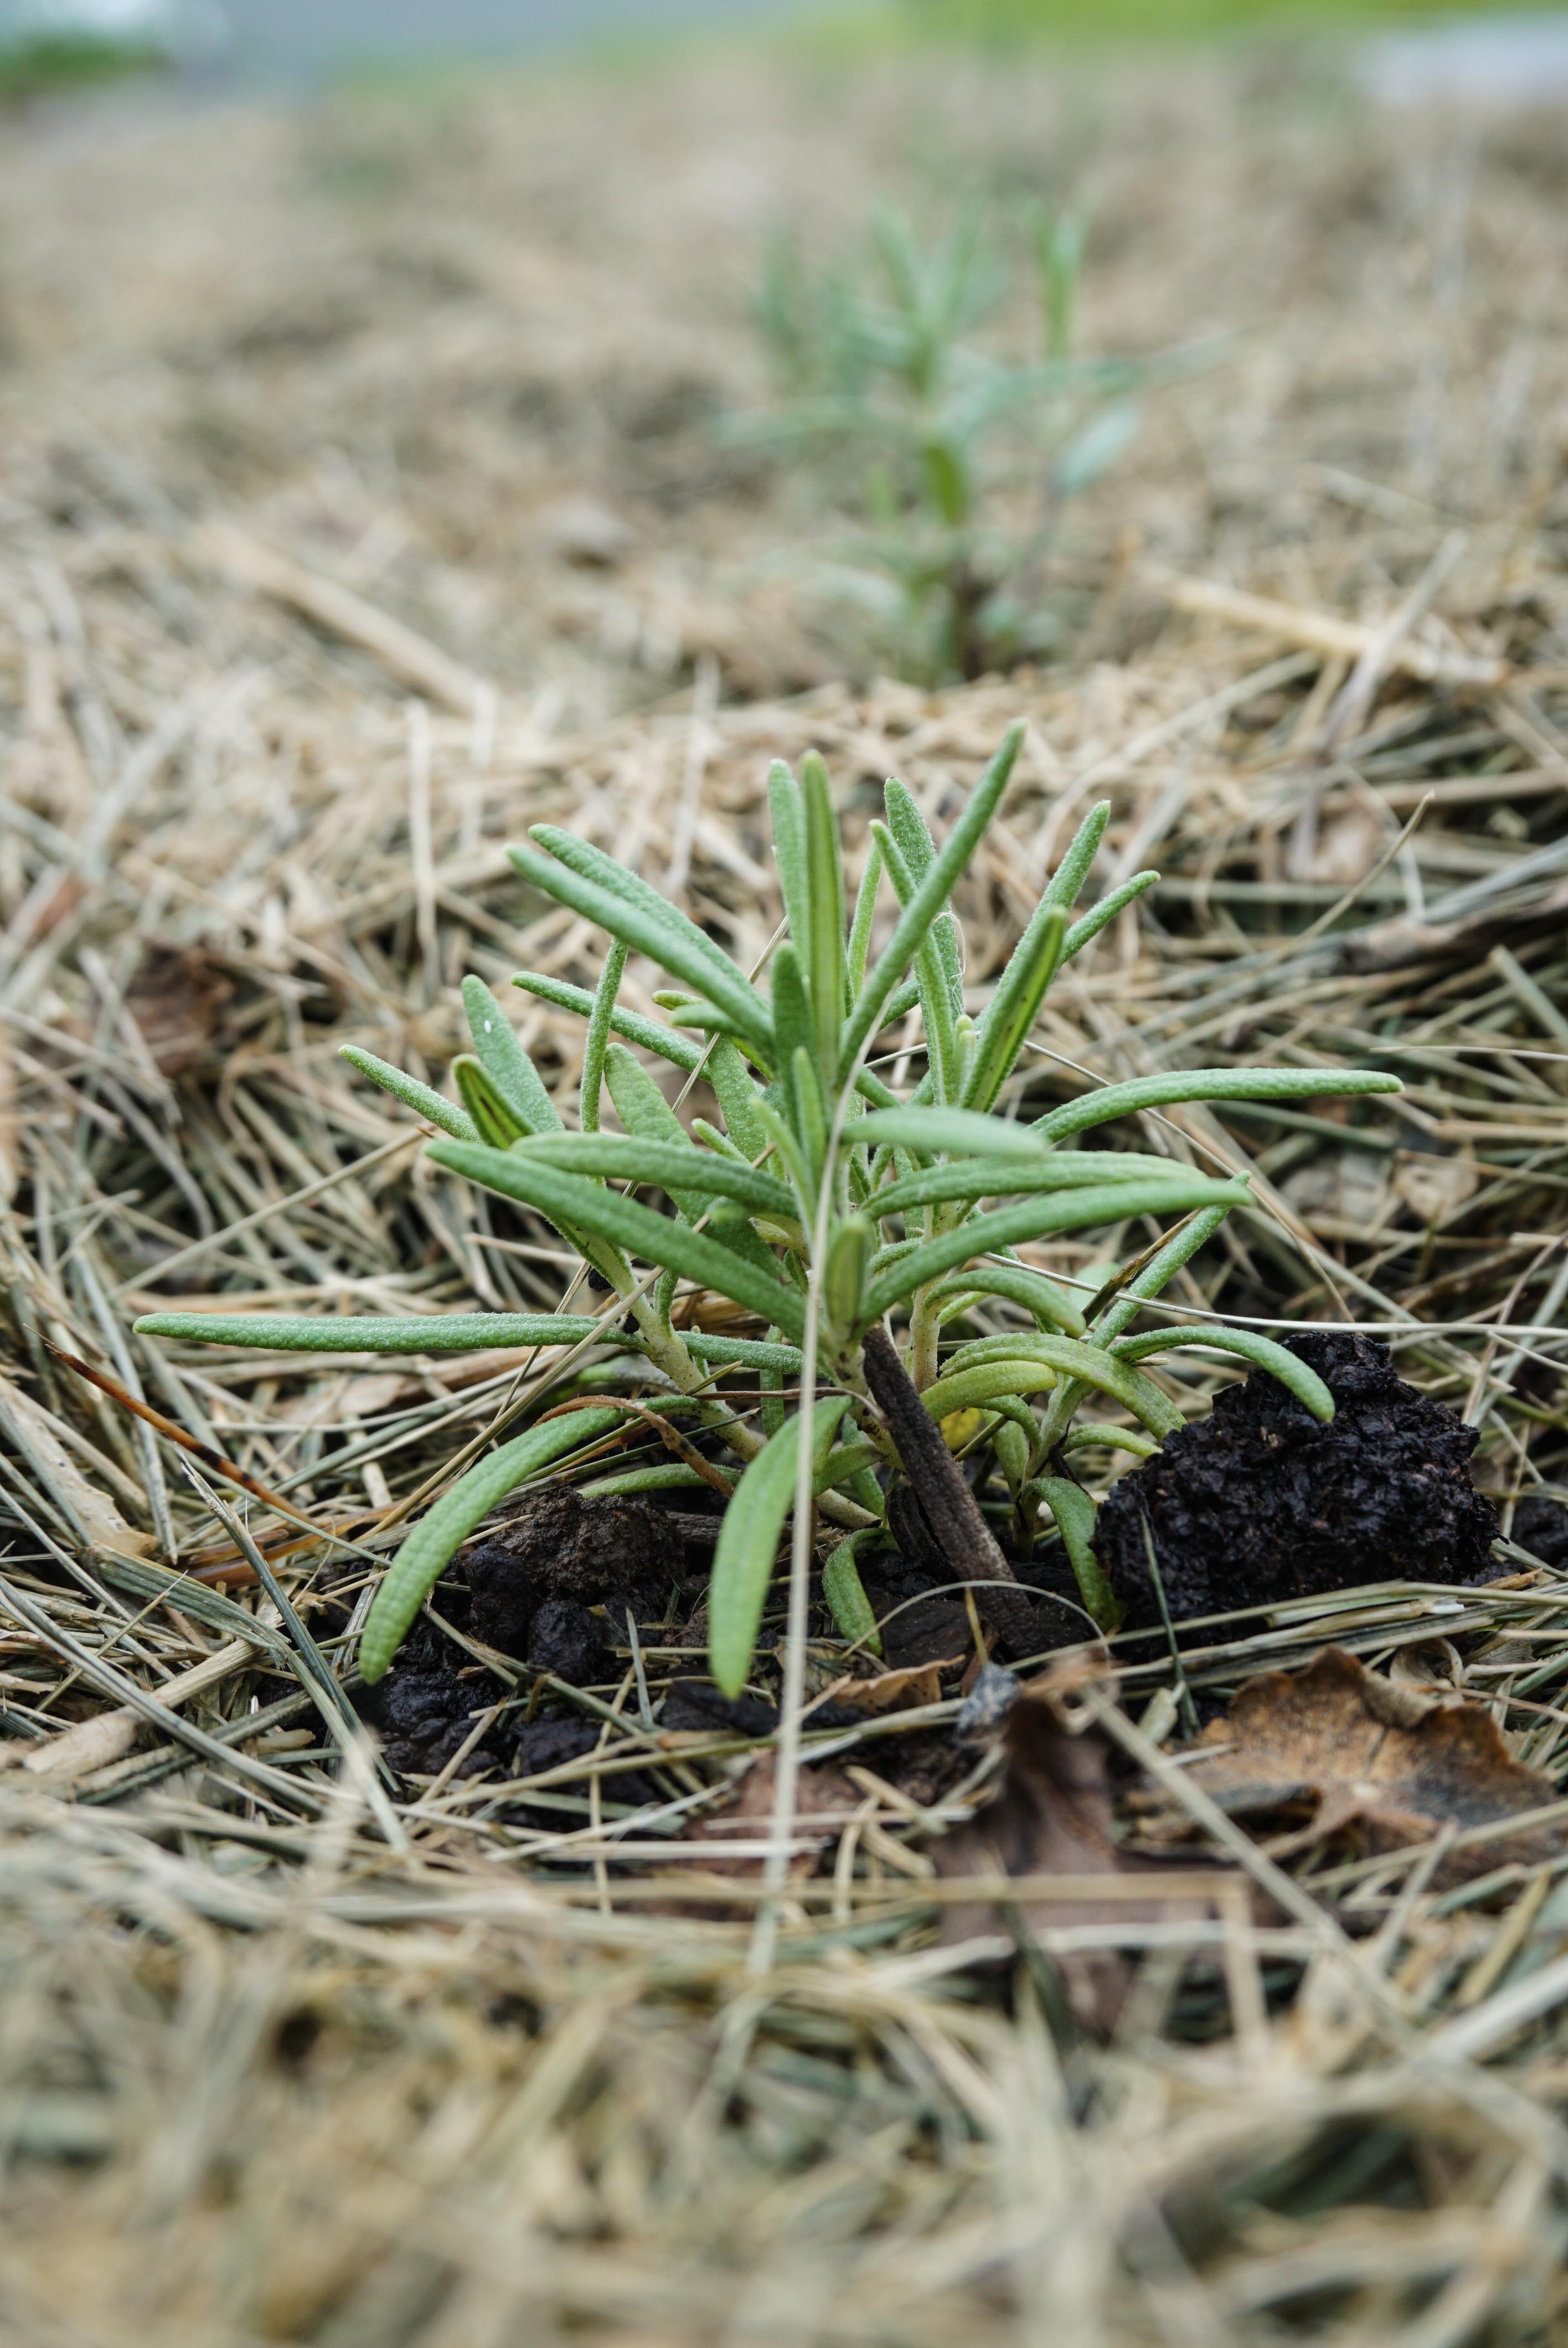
1262, 1501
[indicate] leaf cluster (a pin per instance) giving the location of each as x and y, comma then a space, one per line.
820, 1202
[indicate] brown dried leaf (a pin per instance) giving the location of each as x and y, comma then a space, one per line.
825, 1801
896, 1691
177, 999
1360, 1752
1054, 1818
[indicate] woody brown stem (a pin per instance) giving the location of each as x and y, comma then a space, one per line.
951, 1508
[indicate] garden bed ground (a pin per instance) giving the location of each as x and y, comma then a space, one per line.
362, 504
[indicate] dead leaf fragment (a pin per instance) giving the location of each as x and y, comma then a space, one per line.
1354, 1751
824, 1801
177, 999
1054, 1816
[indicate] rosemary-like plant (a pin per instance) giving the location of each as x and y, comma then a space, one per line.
825, 1206
963, 456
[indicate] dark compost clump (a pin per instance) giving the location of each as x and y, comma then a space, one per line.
425, 1708
1262, 1501
559, 1545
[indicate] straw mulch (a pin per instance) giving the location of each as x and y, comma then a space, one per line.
304, 630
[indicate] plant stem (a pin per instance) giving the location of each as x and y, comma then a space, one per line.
951, 1509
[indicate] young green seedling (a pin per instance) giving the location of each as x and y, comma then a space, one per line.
917, 1208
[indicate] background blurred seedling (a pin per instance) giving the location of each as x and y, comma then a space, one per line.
958, 455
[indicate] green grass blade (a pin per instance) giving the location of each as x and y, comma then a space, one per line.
1035, 1219
627, 1224
329, 1332
748, 1542
412, 1093
436, 1538
1209, 1085
1291, 1372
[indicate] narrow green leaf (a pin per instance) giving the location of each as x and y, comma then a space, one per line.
602, 890
854, 1616
810, 1112
930, 974
648, 1032
957, 1132
1035, 1219
1050, 1305
494, 1120
907, 826
1162, 1268
1013, 1008
1066, 882
411, 1093
1106, 910
794, 1027
864, 914
930, 896
627, 1224
1036, 1367
1292, 1372
843, 1275
823, 953
1001, 1177
1208, 1085
737, 1098
748, 1542
1073, 1512
748, 1353
788, 819
598, 1041
672, 1166
664, 1475
328, 1333
436, 1538
639, 1102
505, 1063
1091, 1431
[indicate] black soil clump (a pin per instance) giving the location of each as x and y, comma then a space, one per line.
564, 1638
1541, 1526
1262, 1501
424, 1709
559, 1545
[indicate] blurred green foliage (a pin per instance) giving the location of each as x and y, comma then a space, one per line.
45, 65
1089, 21
934, 389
